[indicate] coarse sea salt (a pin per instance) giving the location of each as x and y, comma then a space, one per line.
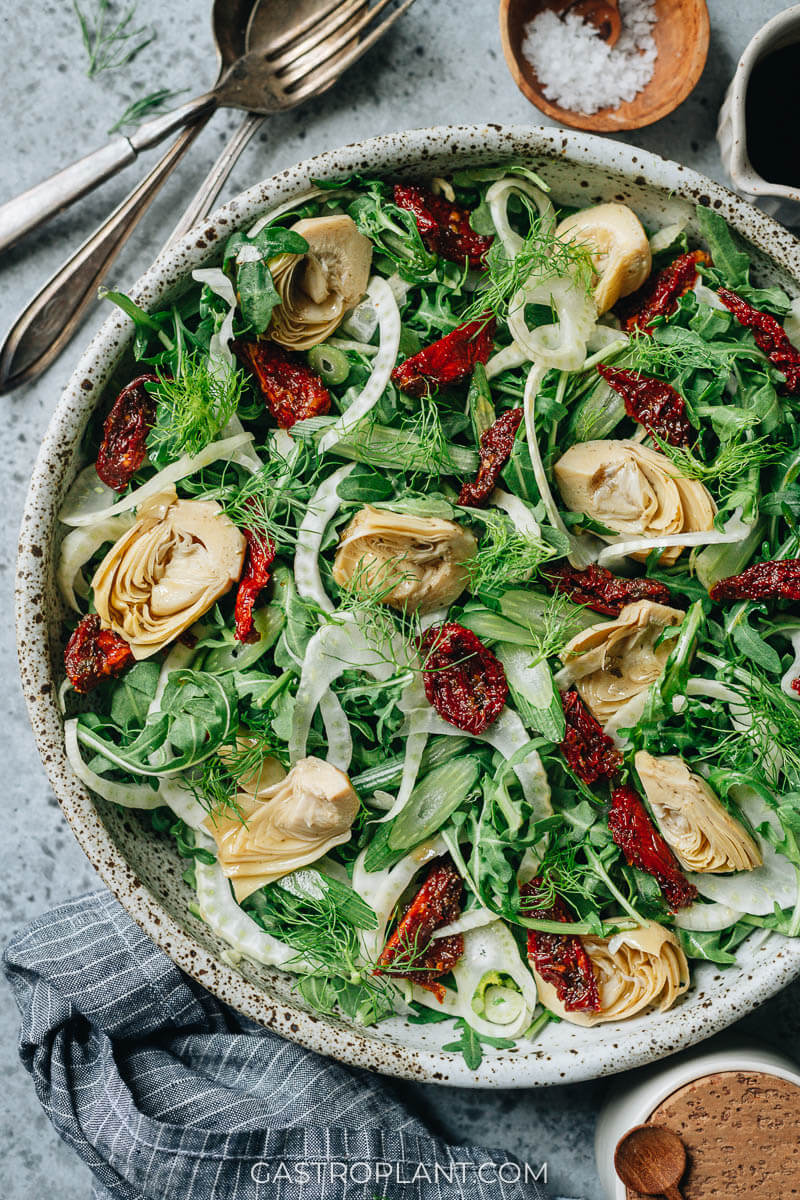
578, 70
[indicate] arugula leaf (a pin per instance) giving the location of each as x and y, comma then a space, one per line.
393, 231
752, 646
422, 1015
131, 697
731, 264
365, 485
714, 946
470, 1044
197, 713
254, 285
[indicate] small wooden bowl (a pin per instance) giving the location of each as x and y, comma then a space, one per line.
681, 35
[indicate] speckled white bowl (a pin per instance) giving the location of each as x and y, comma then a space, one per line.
143, 870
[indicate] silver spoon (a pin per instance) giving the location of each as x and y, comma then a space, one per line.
258, 81
49, 320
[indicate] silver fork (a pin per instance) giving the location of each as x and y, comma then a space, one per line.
304, 62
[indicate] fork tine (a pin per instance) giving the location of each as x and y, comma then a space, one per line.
284, 40
318, 79
322, 30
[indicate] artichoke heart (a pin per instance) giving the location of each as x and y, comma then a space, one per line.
319, 287
619, 249
170, 567
634, 490
701, 831
614, 661
413, 563
285, 826
635, 970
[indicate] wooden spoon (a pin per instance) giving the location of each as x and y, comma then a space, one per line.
681, 33
651, 1160
603, 14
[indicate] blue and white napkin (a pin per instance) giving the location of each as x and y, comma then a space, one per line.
165, 1092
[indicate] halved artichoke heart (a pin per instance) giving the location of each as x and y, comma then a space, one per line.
619, 249
634, 490
317, 288
285, 826
412, 563
701, 831
634, 970
613, 661
168, 570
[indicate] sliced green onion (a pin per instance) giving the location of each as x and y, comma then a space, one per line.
440, 750
432, 801
330, 364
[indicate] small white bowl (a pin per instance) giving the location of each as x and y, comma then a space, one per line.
631, 1104
776, 198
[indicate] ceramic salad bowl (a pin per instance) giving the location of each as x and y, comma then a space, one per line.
142, 868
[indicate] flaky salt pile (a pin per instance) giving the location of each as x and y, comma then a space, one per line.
578, 70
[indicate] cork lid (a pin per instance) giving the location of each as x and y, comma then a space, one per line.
741, 1130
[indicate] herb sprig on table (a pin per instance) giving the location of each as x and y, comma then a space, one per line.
109, 45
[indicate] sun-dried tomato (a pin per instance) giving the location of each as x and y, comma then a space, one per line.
443, 226
291, 389
256, 575
411, 946
590, 753
778, 580
94, 654
464, 681
447, 361
769, 336
659, 296
496, 444
652, 402
125, 431
601, 591
560, 959
645, 848
796, 685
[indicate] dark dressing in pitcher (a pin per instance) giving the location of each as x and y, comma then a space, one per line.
772, 112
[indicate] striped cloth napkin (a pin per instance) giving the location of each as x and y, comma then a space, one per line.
165, 1092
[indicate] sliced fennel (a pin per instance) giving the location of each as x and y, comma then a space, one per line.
173, 473
735, 531
532, 689
385, 306
754, 892
507, 735
707, 918
129, 795
222, 914
333, 649
78, 547
793, 673
337, 731
583, 550
322, 507
488, 949
497, 198
383, 889
217, 281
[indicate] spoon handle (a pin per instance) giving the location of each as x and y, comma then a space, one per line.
673, 1193
203, 201
47, 323
26, 212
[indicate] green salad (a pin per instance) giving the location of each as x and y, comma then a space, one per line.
433, 582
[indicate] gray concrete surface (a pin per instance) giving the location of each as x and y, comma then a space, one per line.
443, 64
